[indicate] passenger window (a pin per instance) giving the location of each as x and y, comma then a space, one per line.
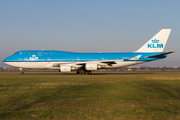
31, 53
47, 53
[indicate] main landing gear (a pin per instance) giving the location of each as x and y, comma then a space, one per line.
21, 72
84, 72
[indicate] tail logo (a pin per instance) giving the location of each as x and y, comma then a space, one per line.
155, 44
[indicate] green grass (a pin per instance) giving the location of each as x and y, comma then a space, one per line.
109, 95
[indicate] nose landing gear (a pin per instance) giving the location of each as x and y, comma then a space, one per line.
21, 72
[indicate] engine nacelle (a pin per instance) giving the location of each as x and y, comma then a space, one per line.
91, 66
65, 68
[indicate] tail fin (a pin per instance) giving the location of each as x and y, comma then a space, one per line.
156, 43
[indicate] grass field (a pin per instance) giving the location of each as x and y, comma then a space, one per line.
109, 95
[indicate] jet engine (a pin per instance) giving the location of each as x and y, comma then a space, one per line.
91, 66
65, 68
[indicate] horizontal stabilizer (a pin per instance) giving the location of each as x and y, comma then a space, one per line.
158, 55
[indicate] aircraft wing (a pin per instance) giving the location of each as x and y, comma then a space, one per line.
108, 62
158, 55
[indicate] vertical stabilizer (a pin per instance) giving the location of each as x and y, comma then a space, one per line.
156, 43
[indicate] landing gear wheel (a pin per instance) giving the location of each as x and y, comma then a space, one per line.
89, 72
21, 72
81, 72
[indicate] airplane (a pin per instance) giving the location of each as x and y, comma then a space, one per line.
85, 63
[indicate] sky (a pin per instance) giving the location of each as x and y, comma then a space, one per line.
88, 26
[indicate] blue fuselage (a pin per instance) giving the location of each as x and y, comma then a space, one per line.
62, 56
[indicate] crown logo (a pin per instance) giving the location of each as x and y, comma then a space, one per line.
155, 41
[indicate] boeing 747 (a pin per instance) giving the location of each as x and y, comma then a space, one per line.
85, 63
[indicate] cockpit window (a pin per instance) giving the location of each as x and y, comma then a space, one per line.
16, 53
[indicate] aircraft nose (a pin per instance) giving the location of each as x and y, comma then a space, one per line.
8, 59
5, 60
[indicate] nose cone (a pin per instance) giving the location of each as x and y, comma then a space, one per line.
8, 60
5, 60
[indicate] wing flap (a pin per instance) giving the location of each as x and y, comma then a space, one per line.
108, 62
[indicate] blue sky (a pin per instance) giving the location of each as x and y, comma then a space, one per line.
88, 26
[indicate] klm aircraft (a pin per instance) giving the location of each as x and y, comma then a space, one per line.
85, 63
